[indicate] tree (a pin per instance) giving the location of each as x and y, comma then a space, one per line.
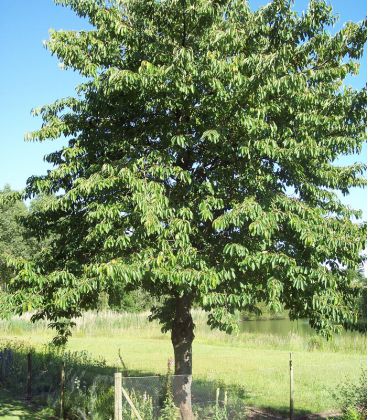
15, 242
12, 236
200, 166
358, 280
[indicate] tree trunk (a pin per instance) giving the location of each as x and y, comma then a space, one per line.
182, 336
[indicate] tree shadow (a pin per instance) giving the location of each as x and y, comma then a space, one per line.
13, 408
267, 413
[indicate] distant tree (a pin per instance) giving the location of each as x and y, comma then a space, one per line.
12, 236
200, 166
16, 242
137, 300
358, 280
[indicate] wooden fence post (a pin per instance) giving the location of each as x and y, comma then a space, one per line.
62, 389
29, 376
118, 415
291, 387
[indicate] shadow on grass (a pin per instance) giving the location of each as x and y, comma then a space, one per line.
89, 383
13, 409
267, 413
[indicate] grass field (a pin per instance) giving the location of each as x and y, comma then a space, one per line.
257, 364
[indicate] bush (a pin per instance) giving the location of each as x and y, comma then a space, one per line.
88, 382
352, 414
352, 398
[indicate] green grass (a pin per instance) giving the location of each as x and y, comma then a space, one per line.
256, 363
263, 373
12, 409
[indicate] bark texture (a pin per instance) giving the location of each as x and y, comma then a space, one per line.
182, 336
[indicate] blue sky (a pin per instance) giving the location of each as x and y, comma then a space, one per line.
30, 77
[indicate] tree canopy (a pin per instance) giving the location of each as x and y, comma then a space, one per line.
200, 163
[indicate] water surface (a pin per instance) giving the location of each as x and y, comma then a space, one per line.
281, 327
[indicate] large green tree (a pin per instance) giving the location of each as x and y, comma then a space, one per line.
200, 166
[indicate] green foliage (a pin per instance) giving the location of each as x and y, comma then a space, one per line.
127, 301
88, 394
143, 403
103, 302
12, 235
358, 281
200, 163
93, 402
103, 402
263, 312
352, 398
132, 301
352, 414
16, 242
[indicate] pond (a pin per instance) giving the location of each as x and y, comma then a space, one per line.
280, 327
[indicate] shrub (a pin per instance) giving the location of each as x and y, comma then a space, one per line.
352, 398
87, 380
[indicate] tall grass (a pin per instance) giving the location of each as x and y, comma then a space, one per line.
108, 323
